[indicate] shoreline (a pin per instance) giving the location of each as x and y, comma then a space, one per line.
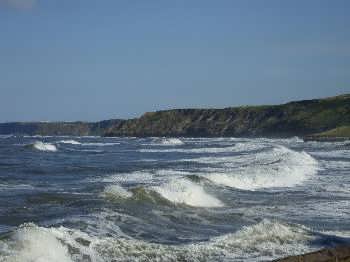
325, 119
335, 254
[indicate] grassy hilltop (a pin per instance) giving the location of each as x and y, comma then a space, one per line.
316, 119
299, 118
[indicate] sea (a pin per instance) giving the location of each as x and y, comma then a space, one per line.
65, 199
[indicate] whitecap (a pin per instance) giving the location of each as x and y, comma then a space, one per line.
279, 167
116, 191
171, 142
72, 142
32, 243
41, 146
183, 191
265, 240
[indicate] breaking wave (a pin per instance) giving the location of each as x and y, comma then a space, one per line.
176, 191
279, 167
116, 192
32, 243
183, 191
264, 240
41, 146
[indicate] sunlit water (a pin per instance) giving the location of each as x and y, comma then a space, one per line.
153, 199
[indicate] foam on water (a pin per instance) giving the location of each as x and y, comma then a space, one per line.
264, 240
116, 191
32, 243
333, 153
150, 212
145, 176
134, 177
183, 191
100, 144
171, 142
190, 150
279, 167
238, 147
72, 142
41, 146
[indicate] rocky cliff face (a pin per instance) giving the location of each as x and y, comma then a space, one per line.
337, 254
300, 118
295, 118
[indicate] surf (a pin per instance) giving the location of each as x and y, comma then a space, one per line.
41, 146
264, 240
277, 167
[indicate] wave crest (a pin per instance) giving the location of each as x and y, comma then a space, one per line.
279, 167
183, 191
41, 146
116, 192
176, 191
32, 243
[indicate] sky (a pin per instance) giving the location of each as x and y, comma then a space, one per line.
90, 60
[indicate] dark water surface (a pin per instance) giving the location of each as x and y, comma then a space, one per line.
154, 199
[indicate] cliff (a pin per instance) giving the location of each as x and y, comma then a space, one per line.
292, 119
315, 119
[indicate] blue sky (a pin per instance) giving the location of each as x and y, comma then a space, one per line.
94, 60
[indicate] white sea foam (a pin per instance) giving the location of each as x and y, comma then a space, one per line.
134, 177
171, 142
263, 241
100, 144
38, 145
145, 176
32, 243
333, 153
183, 191
72, 142
191, 150
239, 147
279, 167
116, 191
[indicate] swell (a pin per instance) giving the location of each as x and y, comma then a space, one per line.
179, 191
277, 167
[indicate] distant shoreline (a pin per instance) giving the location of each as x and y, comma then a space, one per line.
325, 119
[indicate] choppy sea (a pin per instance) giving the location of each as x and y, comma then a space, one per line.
170, 199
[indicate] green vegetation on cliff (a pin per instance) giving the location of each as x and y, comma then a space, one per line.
295, 118
324, 117
343, 131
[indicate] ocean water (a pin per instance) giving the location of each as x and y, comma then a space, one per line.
170, 199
